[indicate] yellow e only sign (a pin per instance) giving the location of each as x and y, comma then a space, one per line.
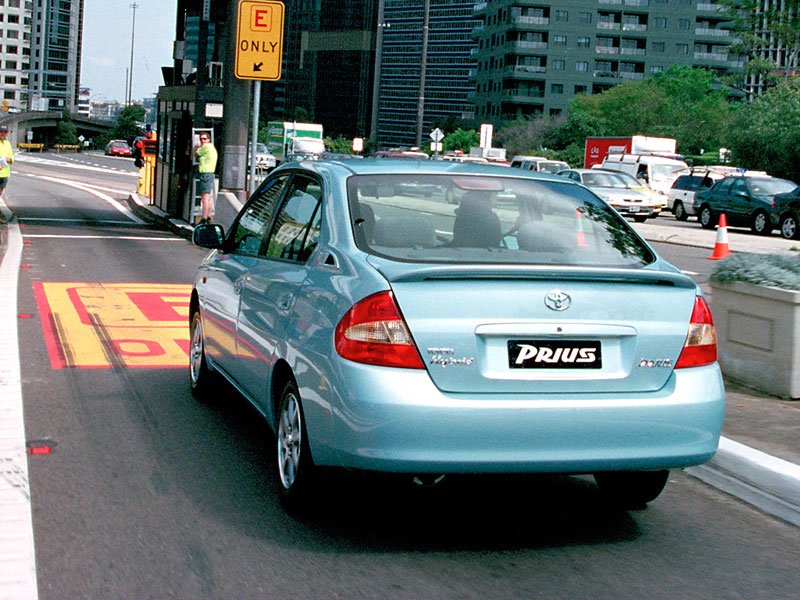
259, 40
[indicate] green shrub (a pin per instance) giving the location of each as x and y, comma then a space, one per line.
772, 270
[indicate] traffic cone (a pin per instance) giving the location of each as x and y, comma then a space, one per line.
580, 238
721, 248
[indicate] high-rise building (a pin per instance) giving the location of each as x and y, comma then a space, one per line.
15, 50
56, 37
536, 55
411, 99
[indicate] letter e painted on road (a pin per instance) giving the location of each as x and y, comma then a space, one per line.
259, 40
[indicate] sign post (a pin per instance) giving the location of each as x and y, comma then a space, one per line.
259, 53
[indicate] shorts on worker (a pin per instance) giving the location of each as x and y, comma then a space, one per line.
3, 182
205, 183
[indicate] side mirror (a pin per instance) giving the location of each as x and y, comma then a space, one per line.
208, 235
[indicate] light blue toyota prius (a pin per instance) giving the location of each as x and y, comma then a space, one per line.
431, 318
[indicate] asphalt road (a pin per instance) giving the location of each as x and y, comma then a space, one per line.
149, 494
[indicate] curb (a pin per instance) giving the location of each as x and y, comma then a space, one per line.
768, 483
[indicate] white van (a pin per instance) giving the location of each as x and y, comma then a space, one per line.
538, 163
659, 172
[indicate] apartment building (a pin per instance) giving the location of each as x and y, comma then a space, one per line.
15, 50
536, 55
451, 55
56, 34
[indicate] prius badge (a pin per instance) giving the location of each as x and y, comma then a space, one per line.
557, 300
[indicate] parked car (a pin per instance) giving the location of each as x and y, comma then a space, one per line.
747, 201
681, 194
786, 211
538, 163
265, 160
614, 190
118, 148
522, 330
659, 199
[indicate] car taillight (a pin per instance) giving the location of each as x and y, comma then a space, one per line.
700, 347
374, 332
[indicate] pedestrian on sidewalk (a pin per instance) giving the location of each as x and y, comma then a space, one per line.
207, 165
6, 159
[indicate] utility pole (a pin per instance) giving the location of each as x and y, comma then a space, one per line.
426, 17
129, 97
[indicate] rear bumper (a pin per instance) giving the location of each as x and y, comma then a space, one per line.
395, 420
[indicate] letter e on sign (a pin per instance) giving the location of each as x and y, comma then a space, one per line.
261, 18
259, 40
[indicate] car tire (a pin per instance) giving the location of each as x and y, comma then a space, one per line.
679, 211
294, 467
788, 227
760, 223
706, 217
631, 490
202, 380
640, 218
450, 196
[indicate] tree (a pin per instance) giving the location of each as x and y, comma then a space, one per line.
765, 133
768, 33
340, 145
66, 132
529, 135
682, 103
129, 123
461, 139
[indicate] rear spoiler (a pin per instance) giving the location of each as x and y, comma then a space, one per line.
402, 272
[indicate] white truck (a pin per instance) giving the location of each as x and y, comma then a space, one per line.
288, 140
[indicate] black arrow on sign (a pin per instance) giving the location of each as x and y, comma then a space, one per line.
257, 66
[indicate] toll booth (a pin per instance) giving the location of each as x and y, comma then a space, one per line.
147, 172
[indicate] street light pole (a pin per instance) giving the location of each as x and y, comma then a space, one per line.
129, 97
422, 71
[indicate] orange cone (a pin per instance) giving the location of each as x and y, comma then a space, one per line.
580, 238
721, 248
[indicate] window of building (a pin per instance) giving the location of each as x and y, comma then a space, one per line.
581, 89
658, 46
585, 17
13, 19
583, 42
683, 24
562, 15
554, 112
556, 88
558, 64
660, 23
582, 66
682, 48
559, 40
656, 69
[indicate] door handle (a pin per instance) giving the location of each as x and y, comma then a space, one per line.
285, 302
238, 284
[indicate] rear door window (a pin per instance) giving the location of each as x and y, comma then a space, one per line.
249, 231
295, 234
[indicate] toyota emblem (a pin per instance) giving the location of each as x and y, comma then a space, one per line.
557, 300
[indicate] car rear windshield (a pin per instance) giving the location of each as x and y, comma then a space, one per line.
482, 219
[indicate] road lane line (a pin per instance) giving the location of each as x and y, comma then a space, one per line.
81, 221
105, 237
117, 205
18, 567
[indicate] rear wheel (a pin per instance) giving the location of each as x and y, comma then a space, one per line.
631, 489
202, 380
706, 217
679, 211
294, 467
761, 224
789, 228
640, 218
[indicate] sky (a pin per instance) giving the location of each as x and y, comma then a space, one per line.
107, 46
